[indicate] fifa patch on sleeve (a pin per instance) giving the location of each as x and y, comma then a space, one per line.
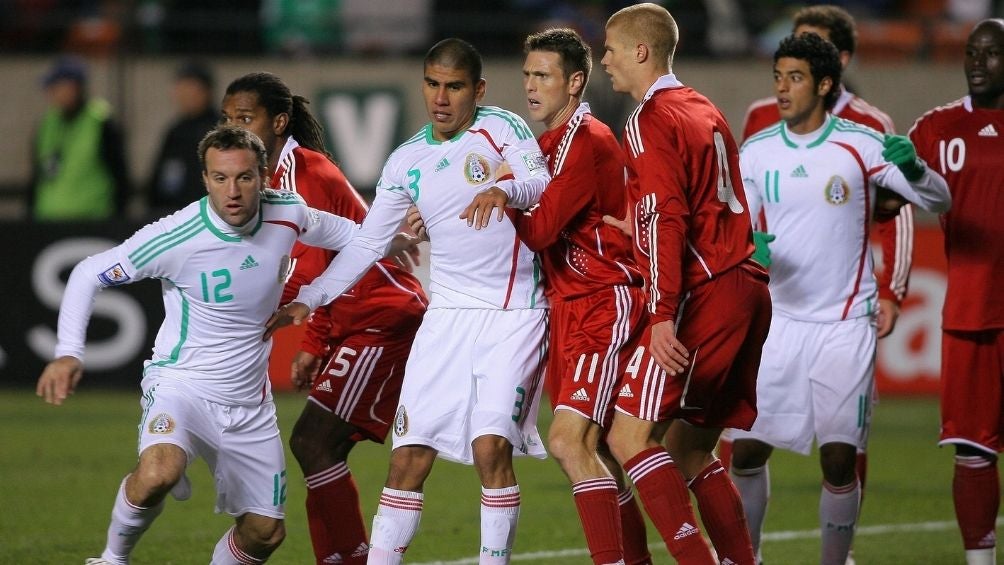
535, 162
114, 275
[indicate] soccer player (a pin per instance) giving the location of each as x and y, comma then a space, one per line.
222, 262
964, 140
472, 381
694, 371
592, 284
813, 177
353, 354
895, 229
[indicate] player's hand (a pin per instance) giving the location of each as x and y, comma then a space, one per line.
899, 150
667, 351
761, 254
626, 225
304, 370
885, 318
404, 251
59, 379
416, 222
293, 313
479, 212
887, 203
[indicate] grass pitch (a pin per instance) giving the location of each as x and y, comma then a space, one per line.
62, 465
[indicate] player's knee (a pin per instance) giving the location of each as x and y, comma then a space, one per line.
838, 462
261, 535
566, 448
409, 467
150, 482
750, 454
962, 450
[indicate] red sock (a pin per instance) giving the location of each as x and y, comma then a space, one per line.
335, 519
976, 492
861, 464
596, 501
633, 534
722, 514
667, 502
725, 453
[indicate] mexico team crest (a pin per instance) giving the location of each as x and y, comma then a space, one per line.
401, 421
161, 424
837, 191
476, 168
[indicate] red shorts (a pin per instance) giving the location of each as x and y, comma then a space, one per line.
723, 324
360, 380
591, 340
972, 403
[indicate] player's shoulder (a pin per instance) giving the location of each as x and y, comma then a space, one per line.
494, 118
843, 127
168, 233
764, 139
272, 197
864, 113
945, 113
414, 143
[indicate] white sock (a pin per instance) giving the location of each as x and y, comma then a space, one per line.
226, 552
126, 527
838, 514
499, 514
394, 525
754, 488
985, 556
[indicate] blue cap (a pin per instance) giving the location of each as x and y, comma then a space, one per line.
66, 68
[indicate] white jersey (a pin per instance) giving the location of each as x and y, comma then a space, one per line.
220, 285
817, 193
488, 268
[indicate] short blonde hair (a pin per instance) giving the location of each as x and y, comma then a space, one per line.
650, 24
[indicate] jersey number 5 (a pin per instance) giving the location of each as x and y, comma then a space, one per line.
726, 192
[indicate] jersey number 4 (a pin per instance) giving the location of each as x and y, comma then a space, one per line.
726, 192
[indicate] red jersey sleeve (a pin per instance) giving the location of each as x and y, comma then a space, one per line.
315, 338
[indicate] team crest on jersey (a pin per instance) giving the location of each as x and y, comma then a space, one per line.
476, 168
161, 424
113, 275
837, 191
401, 421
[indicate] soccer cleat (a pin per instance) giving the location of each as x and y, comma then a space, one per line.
97, 561
183, 489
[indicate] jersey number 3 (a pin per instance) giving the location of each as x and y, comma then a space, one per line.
726, 192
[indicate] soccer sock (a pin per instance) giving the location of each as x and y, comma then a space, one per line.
976, 493
722, 514
226, 552
633, 535
667, 501
725, 452
335, 519
838, 513
754, 489
499, 514
394, 525
596, 501
127, 525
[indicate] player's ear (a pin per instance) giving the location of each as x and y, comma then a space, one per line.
480, 87
577, 83
824, 87
279, 123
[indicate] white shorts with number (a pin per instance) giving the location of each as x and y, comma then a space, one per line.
241, 444
815, 381
473, 372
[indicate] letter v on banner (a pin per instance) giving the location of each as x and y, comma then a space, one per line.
362, 126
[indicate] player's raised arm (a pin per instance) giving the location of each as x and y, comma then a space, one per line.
912, 177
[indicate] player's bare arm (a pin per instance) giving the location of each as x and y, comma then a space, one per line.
667, 351
479, 211
59, 379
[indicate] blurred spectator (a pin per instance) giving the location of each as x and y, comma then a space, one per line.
177, 174
302, 27
78, 159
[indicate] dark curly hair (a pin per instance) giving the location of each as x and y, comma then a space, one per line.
276, 98
823, 59
836, 20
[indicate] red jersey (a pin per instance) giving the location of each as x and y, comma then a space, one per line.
323, 186
895, 232
691, 220
579, 253
966, 145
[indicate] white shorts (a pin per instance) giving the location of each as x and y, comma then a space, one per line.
241, 444
473, 372
815, 381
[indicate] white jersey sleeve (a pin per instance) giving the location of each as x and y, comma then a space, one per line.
523, 155
752, 185
930, 191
